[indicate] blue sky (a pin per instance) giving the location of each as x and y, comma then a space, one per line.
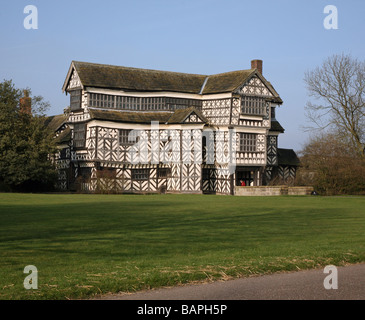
194, 36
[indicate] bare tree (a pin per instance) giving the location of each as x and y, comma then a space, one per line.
331, 166
338, 89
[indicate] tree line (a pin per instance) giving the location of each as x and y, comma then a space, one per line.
333, 160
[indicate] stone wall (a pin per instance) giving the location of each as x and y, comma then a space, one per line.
272, 191
300, 191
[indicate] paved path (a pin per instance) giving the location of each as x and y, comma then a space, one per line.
301, 285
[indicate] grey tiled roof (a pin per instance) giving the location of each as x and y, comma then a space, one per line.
135, 79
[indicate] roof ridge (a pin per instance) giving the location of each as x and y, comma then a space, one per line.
135, 68
155, 70
233, 71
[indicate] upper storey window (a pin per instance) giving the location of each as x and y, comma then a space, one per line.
128, 137
273, 112
79, 135
75, 100
248, 142
253, 106
101, 100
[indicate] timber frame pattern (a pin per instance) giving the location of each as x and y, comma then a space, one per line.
190, 114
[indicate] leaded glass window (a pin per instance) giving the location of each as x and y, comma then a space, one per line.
248, 142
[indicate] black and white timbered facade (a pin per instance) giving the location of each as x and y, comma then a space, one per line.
138, 130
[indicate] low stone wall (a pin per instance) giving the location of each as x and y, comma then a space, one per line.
300, 191
272, 191
260, 191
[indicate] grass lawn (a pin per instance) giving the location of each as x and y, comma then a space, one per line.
90, 244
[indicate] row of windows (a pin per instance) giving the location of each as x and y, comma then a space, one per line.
247, 141
136, 174
162, 173
250, 105
140, 103
84, 173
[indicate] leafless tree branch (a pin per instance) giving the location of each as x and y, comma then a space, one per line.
337, 89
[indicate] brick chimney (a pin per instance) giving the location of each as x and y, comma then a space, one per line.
26, 103
257, 64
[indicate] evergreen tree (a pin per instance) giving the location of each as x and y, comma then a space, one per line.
25, 143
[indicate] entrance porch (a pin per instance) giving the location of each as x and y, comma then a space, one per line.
250, 176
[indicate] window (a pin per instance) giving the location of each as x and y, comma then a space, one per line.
272, 112
75, 100
164, 172
93, 100
79, 135
119, 102
253, 105
128, 137
101, 100
248, 142
178, 103
140, 174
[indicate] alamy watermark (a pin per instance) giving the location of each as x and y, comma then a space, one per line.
187, 146
331, 281
31, 281
331, 20
31, 20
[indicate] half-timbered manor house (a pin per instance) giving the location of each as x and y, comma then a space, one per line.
139, 130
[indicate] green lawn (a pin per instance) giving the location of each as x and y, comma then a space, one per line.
90, 244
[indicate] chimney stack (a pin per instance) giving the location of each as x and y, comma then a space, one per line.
257, 64
26, 103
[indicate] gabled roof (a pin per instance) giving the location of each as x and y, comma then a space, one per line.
55, 122
179, 116
227, 82
231, 81
287, 157
135, 79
